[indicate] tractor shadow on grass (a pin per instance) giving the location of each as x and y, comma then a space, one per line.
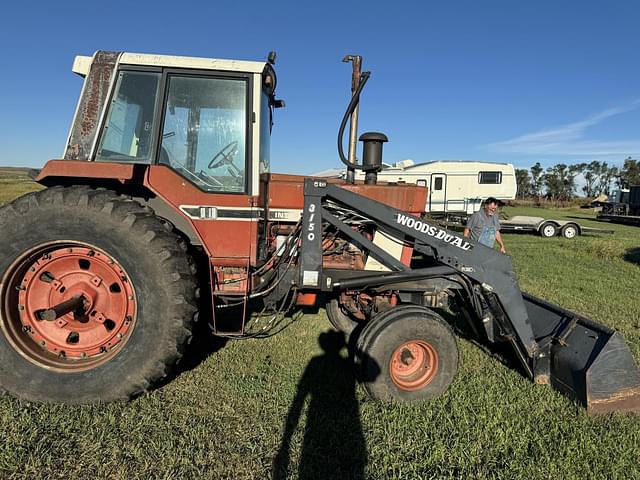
632, 255
333, 444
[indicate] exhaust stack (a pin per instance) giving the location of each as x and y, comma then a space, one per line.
372, 155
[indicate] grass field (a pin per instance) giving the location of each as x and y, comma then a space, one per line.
224, 415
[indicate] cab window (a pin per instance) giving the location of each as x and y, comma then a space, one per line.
128, 132
204, 133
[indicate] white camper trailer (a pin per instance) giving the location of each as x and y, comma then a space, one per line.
456, 187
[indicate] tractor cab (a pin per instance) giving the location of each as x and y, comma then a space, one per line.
208, 120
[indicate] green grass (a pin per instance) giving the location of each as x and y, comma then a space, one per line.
15, 182
225, 417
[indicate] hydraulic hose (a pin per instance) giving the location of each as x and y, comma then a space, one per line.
355, 99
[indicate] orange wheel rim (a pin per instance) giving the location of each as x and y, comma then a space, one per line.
413, 365
75, 340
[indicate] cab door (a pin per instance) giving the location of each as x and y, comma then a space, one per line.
204, 159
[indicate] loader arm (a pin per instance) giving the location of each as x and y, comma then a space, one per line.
489, 268
588, 362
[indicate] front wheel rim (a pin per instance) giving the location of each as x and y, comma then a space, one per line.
58, 273
413, 365
549, 231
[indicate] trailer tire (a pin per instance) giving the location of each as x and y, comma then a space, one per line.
570, 230
408, 353
548, 230
340, 320
113, 252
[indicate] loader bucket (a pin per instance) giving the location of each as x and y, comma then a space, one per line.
584, 360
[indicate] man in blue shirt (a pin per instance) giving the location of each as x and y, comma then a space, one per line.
484, 226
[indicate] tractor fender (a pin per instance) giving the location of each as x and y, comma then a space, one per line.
124, 179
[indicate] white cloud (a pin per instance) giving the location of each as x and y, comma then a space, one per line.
569, 139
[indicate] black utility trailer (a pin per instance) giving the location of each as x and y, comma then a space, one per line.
625, 210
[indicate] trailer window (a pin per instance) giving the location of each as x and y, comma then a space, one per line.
127, 135
490, 177
437, 183
204, 133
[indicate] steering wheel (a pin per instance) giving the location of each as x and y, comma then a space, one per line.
227, 153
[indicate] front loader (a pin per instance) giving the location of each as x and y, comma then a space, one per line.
163, 203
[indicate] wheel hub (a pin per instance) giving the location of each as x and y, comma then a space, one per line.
93, 284
413, 365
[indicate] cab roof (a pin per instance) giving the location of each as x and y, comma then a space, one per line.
82, 64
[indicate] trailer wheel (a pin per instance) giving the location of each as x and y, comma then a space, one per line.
97, 297
406, 354
569, 231
548, 230
340, 320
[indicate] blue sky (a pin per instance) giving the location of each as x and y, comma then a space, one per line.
507, 81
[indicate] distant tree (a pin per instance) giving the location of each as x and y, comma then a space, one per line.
570, 181
630, 173
552, 180
605, 175
591, 174
618, 181
523, 182
537, 179
589, 183
560, 182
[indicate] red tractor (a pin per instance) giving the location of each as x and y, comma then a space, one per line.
163, 202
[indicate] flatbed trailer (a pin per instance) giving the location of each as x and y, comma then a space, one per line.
547, 227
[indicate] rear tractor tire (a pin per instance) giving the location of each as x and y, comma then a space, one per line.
408, 353
97, 297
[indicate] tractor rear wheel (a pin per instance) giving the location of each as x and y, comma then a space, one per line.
408, 353
97, 297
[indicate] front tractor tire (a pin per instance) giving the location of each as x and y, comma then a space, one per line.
408, 353
339, 318
97, 297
